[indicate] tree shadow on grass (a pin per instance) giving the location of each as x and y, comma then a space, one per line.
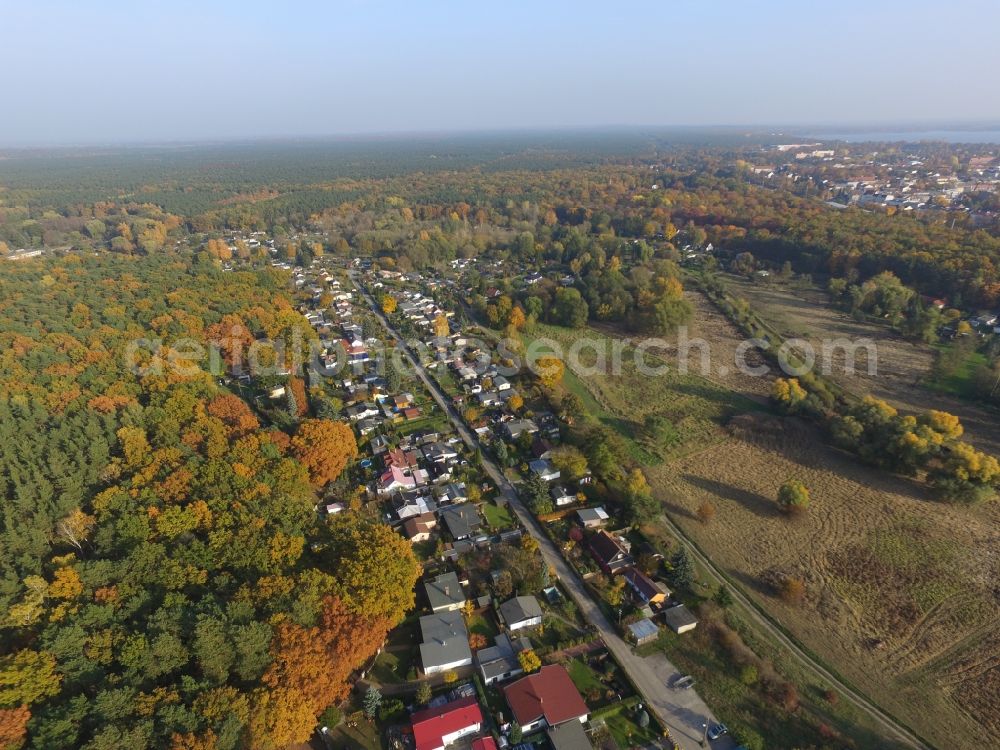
762, 506
750, 582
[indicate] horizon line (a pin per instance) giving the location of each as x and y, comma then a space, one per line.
749, 129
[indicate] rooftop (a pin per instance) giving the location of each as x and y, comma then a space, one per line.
433, 724
548, 693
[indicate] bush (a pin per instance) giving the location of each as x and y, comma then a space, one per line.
747, 737
793, 590
748, 674
391, 710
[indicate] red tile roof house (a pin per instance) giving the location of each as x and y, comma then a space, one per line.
547, 698
436, 728
610, 554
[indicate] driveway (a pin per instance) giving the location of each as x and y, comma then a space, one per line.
682, 711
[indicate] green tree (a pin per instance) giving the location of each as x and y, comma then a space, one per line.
681, 571
371, 702
723, 597
570, 308
793, 497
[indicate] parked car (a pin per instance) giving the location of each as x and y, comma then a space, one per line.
716, 730
684, 682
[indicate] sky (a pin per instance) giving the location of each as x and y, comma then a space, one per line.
110, 71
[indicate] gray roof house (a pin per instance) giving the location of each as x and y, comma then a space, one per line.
498, 663
568, 736
679, 619
445, 642
515, 427
592, 518
521, 612
544, 468
644, 631
462, 521
444, 593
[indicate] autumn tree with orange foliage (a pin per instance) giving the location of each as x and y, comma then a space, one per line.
232, 339
324, 447
313, 665
13, 727
234, 413
301, 400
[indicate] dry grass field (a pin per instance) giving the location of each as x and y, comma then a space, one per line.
902, 595
902, 591
902, 365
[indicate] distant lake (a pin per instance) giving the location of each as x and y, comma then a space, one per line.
949, 136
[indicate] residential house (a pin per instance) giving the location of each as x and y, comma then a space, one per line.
368, 426
418, 528
444, 642
592, 518
544, 469
361, 410
401, 459
488, 398
412, 504
541, 448
515, 427
561, 496
453, 492
547, 698
520, 612
499, 662
395, 478
444, 593
644, 589
462, 521
610, 553
437, 728
439, 452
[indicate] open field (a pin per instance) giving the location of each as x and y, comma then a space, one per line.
901, 594
903, 366
900, 589
695, 407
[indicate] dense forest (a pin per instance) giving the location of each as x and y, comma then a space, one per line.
580, 204
164, 577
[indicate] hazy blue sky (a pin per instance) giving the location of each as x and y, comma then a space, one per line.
105, 70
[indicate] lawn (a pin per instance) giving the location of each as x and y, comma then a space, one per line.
485, 626
399, 655
363, 736
556, 632
955, 369
497, 517
585, 678
621, 723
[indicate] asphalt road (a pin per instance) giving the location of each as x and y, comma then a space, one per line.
683, 711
